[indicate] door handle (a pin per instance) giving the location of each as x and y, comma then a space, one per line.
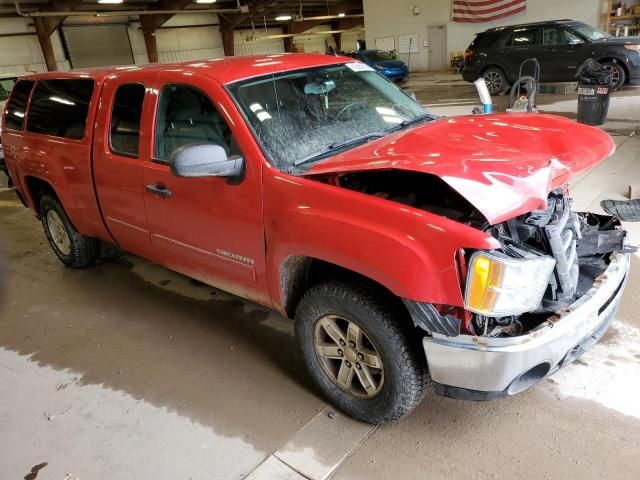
158, 189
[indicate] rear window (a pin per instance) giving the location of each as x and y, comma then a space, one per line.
524, 38
125, 119
14, 120
59, 108
484, 40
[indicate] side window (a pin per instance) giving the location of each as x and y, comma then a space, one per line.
553, 36
572, 38
17, 106
125, 119
524, 37
59, 108
187, 116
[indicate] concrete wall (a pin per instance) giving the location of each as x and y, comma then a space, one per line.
385, 20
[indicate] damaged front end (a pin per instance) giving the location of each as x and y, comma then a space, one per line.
533, 306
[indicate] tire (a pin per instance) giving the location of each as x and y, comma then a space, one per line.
401, 383
618, 74
75, 250
496, 80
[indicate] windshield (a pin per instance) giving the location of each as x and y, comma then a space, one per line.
6, 84
302, 114
378, 56
590, 32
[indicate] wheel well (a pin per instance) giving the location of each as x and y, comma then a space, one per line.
299, 273
484, 69
38, 188
619, 62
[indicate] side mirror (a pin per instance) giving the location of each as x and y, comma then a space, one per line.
206, 160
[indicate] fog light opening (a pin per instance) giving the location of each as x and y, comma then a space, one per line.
528, 378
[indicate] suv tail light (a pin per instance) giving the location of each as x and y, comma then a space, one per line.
468, 54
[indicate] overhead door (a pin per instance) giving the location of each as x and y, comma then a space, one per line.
97, 46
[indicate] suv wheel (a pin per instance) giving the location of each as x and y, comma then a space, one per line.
496, 81
618, 74
358, 354
72, 248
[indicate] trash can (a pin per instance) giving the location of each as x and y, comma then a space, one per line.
594, 93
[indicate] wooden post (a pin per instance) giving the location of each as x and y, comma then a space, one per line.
44, 38
152, 46
337, 37
226, 30
288, 41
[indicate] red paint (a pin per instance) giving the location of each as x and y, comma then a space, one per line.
237, 237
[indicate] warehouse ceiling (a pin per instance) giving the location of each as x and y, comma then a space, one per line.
243, 12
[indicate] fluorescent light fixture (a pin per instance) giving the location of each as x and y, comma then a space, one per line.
341, 14
110, 1
206, 1
283, 18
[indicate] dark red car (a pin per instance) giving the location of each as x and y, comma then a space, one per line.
409, 249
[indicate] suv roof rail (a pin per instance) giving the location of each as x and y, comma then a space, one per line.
532, 24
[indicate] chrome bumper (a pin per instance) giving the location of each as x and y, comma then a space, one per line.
480, 368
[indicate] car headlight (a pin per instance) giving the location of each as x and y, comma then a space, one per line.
499, 286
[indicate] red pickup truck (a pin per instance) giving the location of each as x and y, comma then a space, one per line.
410, 250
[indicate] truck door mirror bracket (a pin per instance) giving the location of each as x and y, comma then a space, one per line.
206, 160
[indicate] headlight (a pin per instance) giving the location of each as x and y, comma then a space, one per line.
632, 47
499, 286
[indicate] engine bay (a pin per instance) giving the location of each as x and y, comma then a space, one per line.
581, 245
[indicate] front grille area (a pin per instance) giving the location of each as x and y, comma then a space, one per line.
554, 231
562, 234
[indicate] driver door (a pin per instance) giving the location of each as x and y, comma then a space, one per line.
207, 228
563, 54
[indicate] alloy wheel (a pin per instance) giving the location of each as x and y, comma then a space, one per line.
58, 232
494, 82
615, 75
348, 356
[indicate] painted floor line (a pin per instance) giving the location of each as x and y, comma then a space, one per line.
317, 450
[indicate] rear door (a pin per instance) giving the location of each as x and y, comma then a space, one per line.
524, 43
208, 228
118, 158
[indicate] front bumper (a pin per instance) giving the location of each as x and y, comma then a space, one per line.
484, 368
396, 75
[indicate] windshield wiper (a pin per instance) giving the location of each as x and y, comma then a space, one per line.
339, 146
414, 120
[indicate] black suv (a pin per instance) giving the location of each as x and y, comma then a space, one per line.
560, 46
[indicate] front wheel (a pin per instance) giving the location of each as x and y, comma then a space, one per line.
618, 74
359, 354
72, 248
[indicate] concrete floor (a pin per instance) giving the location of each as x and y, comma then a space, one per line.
130, 371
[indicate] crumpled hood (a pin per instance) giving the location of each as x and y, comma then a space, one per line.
504, 165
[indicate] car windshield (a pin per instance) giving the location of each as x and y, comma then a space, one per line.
6, 84
301, 116
378, 56
590, 32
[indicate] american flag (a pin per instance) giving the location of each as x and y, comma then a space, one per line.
479, 11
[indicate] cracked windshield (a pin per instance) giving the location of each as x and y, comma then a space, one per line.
325, 110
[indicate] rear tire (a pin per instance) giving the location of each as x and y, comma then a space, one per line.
496, 81
400, 381
618, 74
72, 248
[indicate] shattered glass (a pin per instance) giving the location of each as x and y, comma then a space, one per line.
302, 114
